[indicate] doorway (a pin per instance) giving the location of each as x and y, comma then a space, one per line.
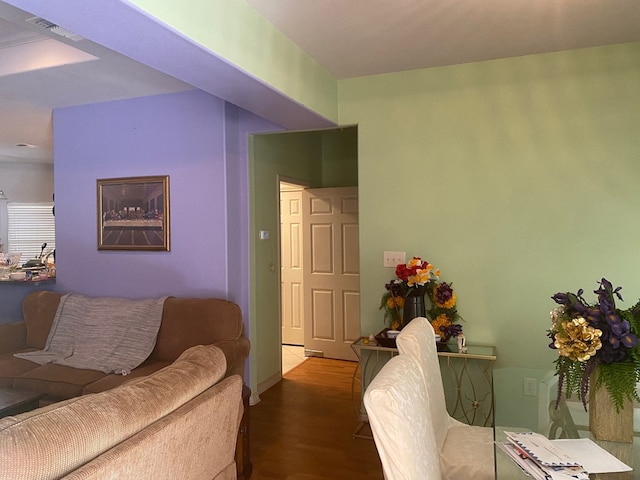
319, 272
291, 274
321, 159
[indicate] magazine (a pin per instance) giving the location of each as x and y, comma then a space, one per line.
545, 459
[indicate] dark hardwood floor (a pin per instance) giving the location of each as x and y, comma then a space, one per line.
302, 427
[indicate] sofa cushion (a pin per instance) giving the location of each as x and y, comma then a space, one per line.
78, 430
39, 308
112, 380
57, 381
13, 337
194, 321
12, 367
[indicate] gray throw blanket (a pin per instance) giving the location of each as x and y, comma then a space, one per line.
112, 335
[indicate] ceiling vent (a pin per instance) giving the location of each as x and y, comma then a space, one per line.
53, 28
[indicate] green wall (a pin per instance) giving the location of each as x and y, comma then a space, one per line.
518, 178
340, 158
319, 159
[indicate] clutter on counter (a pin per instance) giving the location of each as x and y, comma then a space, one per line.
38, 269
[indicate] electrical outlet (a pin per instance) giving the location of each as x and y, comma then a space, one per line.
392, 259
530, 388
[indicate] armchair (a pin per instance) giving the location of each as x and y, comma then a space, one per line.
397, 405
466, 451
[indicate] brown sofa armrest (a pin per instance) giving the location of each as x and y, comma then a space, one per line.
236, 352
39, 309
13, 337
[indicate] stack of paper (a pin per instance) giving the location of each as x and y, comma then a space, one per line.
546, 459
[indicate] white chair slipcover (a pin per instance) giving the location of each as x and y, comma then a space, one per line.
465, 451
397, 405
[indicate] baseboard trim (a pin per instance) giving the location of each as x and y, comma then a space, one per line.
269, 382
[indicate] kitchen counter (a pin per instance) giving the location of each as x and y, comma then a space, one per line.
36, 281
12, 292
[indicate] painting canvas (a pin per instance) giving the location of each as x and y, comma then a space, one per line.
133, 213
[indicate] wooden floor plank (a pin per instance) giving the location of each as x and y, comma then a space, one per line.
302, 427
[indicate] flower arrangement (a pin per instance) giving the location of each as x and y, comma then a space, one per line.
444, 312
600, 335
421, 277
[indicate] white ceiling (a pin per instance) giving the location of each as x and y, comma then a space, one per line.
40, 71
353, 38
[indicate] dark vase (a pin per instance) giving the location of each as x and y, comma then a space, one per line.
414, 306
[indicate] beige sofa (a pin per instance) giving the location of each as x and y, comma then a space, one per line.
186, 322
180, 422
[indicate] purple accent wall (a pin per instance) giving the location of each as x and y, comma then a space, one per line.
239, 125
181, 135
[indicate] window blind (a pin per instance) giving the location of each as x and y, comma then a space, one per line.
30, 225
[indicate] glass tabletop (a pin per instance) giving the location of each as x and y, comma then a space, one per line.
484, 352
518, 409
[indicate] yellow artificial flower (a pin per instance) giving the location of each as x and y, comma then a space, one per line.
580, 341
440, 321
395, 301
414, 262
421, 277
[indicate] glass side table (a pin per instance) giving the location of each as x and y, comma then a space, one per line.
466, 377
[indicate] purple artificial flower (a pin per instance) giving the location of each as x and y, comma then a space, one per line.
443, 293
452, 330
610, 354
629, 340
561, 298
396, 288
621, 333
612, 319
593, 316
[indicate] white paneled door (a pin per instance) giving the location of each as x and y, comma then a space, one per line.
291, 267
331, 271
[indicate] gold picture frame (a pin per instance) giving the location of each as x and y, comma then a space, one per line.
133, 213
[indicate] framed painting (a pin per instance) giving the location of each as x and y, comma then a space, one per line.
133, 213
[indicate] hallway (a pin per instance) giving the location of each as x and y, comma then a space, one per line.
292, 356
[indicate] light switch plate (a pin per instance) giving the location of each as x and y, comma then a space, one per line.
392, 259
530, 387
